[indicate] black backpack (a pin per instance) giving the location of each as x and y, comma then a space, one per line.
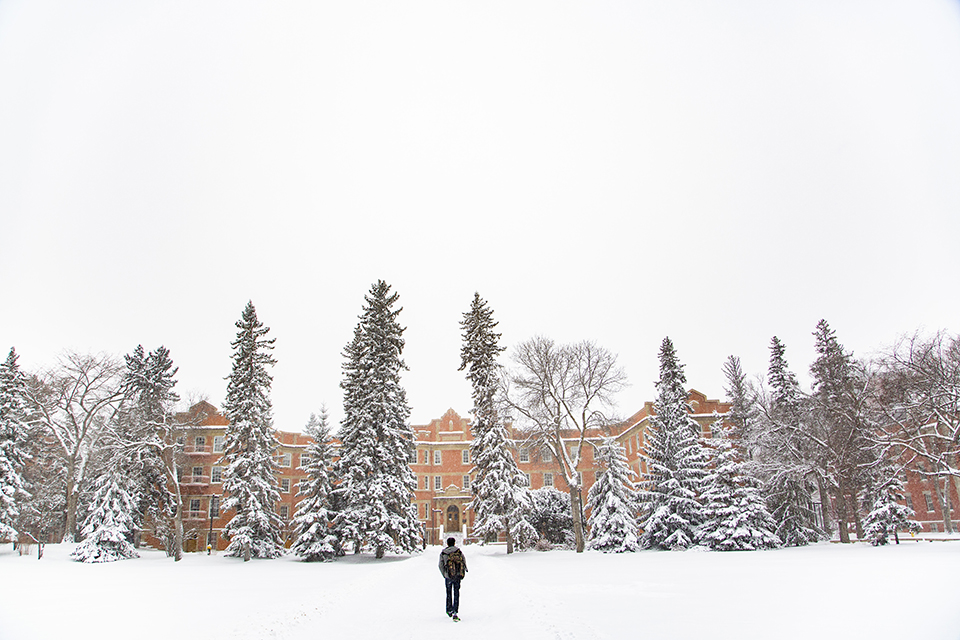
456, 566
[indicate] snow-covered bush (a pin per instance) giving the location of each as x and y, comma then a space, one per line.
887, 515
550, 515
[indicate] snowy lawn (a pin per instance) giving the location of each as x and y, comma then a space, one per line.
824, 591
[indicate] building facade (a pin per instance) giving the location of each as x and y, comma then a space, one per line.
201, 433
444, 471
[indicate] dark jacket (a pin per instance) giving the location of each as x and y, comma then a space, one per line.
443, 560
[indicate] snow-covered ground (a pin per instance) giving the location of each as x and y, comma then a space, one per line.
825, 591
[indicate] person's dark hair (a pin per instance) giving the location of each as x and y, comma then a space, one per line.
451, 542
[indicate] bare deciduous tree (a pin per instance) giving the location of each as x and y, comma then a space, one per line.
73, 402
919, 401
559, 393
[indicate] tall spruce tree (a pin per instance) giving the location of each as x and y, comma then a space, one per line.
144, 436
613, 502
314, 518
376, 481
842, 427
735, 516
500, 496
13, 442
250, 443
676, 462
742, 421
786, 455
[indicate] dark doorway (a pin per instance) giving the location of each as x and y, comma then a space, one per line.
453, 518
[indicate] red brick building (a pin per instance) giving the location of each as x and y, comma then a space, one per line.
443, 469
201, 432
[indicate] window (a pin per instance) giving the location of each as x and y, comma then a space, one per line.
466, 482
195, 504
437, 457
466, 456
216, 474
526, 478
437, 483
929, 500
910, 503
412, 456
548, 479
524, 455
426, 482
181, 440
196, 472
284, 460
426, 457
284, 485
218, 444
284, 511
546, 455
215, 506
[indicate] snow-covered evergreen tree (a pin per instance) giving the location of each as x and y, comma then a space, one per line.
550, 515
315, 539
500, 496
142, 436
376, 481
786, 456
887, 515
13, 440
109, 526
676, 462
735, 516
613, 502
743, 419
249, 480
841, 425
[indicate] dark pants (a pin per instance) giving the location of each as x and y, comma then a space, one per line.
453, 595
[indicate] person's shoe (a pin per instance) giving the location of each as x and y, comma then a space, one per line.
449, 614
456, 618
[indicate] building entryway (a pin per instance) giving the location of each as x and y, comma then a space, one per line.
453, 518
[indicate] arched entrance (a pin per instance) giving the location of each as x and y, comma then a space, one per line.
453, 518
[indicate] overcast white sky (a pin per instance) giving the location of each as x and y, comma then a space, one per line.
719, 172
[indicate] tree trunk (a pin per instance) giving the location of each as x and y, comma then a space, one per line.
824, 506
841, 502
170, 466
944, 501
70, 527
380, 551
70, 524
246, 551
956, 479
178, 531
509, 536
576, 512
854, 504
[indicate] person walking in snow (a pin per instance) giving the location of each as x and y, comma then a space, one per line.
453, 566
